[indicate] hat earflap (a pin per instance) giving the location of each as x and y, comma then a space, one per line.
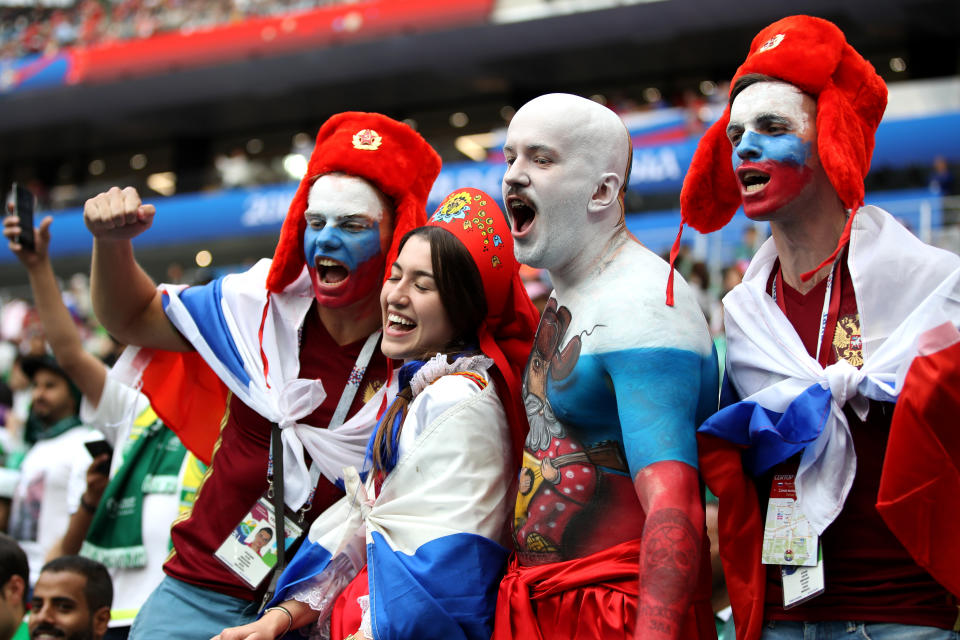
290, 242
841, 146
710, 194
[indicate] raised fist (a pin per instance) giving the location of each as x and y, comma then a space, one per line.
117, 214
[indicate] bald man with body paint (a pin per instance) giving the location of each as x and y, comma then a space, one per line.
609, 521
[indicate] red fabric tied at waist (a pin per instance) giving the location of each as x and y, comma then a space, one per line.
589, 597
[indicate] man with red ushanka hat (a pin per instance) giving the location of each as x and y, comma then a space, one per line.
275, 369
835, 470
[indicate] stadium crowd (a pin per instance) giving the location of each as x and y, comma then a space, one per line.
48, 29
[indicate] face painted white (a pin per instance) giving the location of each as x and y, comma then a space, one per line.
778, 98
344, 238
773, 133
338, 196
549, 180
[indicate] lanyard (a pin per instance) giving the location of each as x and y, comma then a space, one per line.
339, 415
831, 306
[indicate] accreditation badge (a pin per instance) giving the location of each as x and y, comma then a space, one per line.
250, 551
788, 537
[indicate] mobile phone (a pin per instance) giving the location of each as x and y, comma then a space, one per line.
23, 208
98, 448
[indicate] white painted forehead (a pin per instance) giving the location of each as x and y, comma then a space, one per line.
342, 195
778, 98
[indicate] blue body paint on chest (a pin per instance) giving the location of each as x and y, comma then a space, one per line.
649, 400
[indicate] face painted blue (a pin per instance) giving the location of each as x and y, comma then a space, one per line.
351, 240
758, 147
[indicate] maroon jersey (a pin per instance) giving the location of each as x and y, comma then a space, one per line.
237, 476
868, 574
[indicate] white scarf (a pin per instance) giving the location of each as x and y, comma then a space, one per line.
903, 288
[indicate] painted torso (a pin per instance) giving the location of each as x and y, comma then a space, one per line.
613, 385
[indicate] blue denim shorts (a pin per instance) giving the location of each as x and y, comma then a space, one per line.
179, 610
783, 630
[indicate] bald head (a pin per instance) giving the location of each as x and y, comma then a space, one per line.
567, 162
588, 127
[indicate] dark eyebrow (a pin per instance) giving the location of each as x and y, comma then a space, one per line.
352, 216
416, 274
773, 118
62, 600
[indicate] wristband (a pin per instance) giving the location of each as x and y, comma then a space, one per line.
91, 508
286, 611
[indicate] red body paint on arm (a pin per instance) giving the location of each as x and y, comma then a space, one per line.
669, 492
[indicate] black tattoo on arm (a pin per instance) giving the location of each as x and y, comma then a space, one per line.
669, 563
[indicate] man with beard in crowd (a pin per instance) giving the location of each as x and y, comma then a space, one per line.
71, 600
52, 480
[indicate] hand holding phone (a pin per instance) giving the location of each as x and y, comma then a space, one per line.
98, 448
23, 205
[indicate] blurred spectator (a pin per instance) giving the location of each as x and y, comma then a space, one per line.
14, 587
235, 169
699, 280
52, 476
71, 600
536, 282
750, 241
941, 179
720, 599
147, 473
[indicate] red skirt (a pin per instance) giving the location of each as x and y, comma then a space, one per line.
584, 598
345, 617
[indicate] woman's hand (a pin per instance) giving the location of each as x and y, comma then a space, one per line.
271, 625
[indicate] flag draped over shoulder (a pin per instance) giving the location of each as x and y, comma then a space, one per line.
792, 404
430, 537
921, 471
246, 340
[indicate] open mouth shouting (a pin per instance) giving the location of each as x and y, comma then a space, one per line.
523, 213
767, 186
752, 180
330, 272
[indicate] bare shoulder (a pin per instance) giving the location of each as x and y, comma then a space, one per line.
628, 299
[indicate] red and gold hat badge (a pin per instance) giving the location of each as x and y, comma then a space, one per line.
367, 140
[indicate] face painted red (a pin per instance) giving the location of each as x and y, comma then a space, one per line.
343, 241
773, 133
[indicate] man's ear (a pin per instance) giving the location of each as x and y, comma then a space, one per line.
101, 620
605, 194
14, 589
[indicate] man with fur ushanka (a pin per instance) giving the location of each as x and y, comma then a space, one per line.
292, 341
842, 345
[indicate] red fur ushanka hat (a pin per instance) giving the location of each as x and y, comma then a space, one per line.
388, 154
813, 55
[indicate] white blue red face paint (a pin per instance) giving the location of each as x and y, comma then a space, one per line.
342, 241
773, 133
